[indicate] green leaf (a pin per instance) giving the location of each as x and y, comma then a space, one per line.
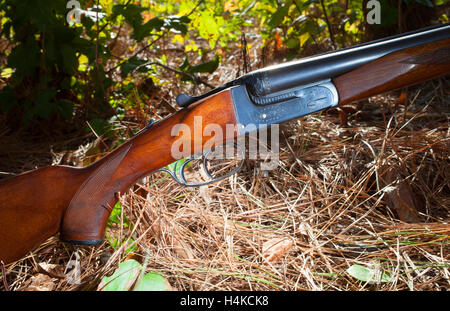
131, 12
64, 108
142, 31
115, 216
368, 275
389, 14
8, 99
184, 19
131, 243
123, 278
85, 47
278, 16
176, 165
208, 67
25, 57
310, 27
304, 37
152, 282
185, 64
100, 126
132, 64
292, 43
178, 23
43, 104
87, 22
70, 59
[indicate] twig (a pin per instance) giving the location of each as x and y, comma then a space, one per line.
307, 16
154, 41
193, 10
97, 62
96, 48
194, 78
5, 283
245, 54
328, 24
106, 24
6, 173
96, 51
96, 135
136, 54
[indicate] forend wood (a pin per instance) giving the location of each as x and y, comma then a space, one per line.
396, 70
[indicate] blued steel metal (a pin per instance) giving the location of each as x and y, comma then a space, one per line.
329, 65
308, 99
289, 75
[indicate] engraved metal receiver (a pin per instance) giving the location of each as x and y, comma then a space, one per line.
263, 111
254, 113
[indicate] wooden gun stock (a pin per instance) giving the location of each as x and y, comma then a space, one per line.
32, 206
393, 71
77, 202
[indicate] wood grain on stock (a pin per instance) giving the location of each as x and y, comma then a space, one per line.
31, 207
394, 71
78, 201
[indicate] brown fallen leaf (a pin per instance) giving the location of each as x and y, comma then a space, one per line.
52, 270
39, 283
134, 256
399, 195
182, 249
402, 99
276, 248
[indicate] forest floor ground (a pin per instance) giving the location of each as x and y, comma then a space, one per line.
368, 196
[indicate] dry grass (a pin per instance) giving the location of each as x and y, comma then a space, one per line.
324, 206
325, 197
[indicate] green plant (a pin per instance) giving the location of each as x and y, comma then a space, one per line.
52, 69
56, 69
131, 276
43, 58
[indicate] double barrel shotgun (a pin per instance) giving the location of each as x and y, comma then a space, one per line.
76, 202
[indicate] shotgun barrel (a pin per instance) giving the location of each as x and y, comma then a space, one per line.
273, 79
329, 65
